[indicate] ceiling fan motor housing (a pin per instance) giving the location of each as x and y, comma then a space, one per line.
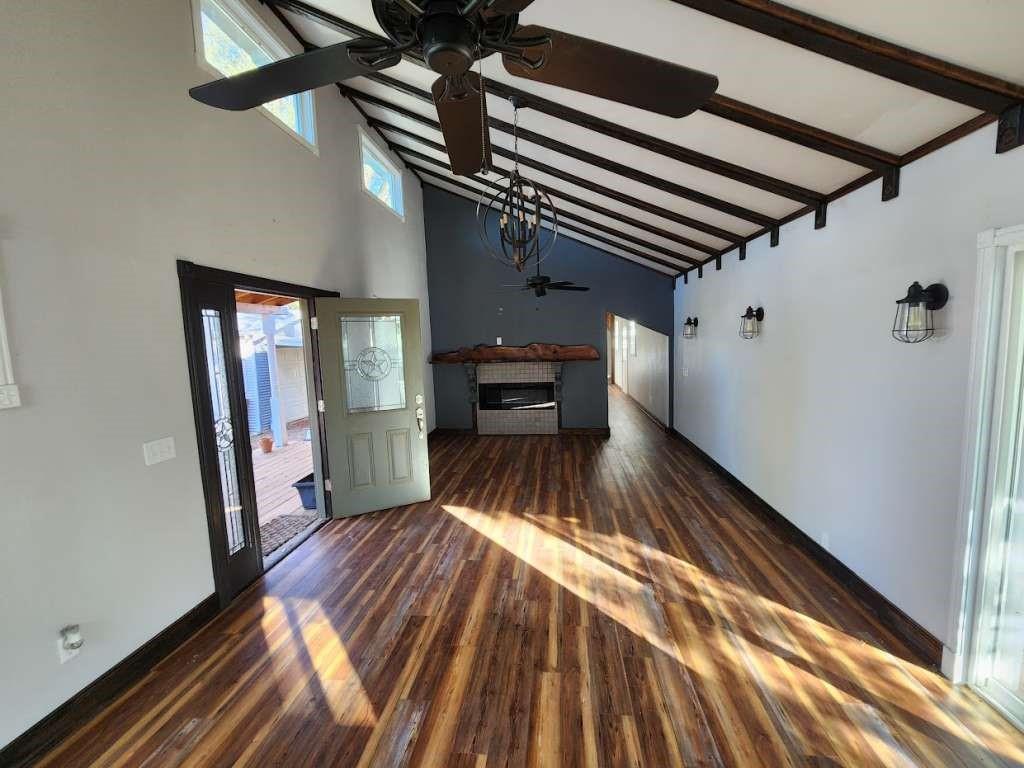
449, 39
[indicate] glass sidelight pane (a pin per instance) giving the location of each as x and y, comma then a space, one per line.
371, 354
213, 338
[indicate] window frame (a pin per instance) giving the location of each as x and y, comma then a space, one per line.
383, 158
256, 27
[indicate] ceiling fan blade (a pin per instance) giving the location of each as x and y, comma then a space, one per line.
304, 72
462, 123
613, 73
568, 288
507, 7
560, 283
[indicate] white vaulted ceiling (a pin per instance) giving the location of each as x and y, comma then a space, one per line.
890, 118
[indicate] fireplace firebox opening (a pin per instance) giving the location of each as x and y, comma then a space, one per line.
537, 396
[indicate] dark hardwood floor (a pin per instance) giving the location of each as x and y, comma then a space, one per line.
563, 601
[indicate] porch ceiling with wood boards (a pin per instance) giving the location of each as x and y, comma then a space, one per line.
816, 98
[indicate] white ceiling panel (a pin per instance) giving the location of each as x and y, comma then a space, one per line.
983, 35
760, 70
657, 165
629, 187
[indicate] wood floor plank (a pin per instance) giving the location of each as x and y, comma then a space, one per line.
562, 601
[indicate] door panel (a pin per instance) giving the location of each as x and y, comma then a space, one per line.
371, 360
223, 434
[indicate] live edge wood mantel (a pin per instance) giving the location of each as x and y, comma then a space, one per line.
532, 353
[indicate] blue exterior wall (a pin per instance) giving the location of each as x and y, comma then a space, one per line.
468, 306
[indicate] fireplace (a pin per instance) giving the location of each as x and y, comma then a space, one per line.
515, 396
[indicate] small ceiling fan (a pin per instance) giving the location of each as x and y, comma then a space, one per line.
451, 36
541, 284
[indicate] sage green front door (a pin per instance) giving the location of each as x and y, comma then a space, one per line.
371, 362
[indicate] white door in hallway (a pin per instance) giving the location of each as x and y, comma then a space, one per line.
371, 359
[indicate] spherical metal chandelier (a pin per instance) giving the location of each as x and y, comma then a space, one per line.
510, 213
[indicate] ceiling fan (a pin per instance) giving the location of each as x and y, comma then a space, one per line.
541, 284
451, 36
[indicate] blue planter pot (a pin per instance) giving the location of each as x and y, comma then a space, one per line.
307, 491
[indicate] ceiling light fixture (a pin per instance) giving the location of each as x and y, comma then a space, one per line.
914, 322
511, 209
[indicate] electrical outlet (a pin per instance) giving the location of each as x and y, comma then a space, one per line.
158, 450
64, 654
499, 341
686, 372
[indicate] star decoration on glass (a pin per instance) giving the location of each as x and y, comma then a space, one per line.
373, 363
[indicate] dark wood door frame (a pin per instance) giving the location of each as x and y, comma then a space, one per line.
196, 280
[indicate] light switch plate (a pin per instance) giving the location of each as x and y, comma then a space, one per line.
158, 450
499, 341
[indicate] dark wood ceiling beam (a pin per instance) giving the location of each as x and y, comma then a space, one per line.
676, 270
659, 146
642, 205
619, 169
720, 106
411, 155
871, 54
801, 133
643, 226
567, 215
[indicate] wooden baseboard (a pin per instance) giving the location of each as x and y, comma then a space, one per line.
927, 647
439, 431
88, 702
586, 431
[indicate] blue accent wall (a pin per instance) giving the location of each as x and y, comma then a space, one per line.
468, 306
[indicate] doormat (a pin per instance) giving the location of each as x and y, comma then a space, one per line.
281, 530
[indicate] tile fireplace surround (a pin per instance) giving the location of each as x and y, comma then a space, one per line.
515, 422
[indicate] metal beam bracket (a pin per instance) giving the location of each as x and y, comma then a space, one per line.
891, 183
820, 215
743, 250
1011, 129
774, 242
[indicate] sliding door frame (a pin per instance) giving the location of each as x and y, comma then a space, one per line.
192, 278
968, 657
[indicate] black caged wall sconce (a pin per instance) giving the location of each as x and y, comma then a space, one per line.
914, 320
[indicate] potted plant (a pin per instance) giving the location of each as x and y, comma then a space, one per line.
266, 443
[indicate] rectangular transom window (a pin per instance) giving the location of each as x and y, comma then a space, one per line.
381, 179
232, 39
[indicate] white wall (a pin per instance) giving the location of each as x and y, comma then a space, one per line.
647, 371
110, 172
291, 374
848, 433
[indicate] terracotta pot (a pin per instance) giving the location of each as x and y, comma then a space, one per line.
266, 443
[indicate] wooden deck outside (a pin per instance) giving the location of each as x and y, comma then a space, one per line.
276, 471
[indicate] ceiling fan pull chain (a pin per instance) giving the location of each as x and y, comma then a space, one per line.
484, 164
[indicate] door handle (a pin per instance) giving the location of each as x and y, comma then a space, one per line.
420, 421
